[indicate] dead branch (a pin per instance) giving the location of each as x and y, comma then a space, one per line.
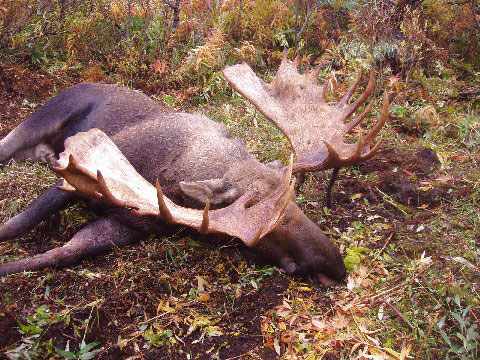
176, 12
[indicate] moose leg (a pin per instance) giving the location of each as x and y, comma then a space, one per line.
93, 239
331, 182
300, 180
47, 204
30, 139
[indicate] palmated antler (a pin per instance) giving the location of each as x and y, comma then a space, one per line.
296, 105
95, 168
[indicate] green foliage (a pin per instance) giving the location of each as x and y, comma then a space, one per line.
156, 336
38, 321
463, 336
132, 41
354, 257
86, 351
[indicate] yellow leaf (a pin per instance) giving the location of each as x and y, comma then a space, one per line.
121, 342
204, 297
304, 288
161, 308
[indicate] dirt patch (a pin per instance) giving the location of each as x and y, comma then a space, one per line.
123, 305
407, 176
421, 162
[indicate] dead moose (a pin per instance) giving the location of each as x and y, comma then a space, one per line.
111, 144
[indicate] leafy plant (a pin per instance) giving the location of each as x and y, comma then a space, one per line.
354, 257
28, 349
38, 321
157, 337
86, 351
464, 342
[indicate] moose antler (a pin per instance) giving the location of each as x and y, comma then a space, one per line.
296, 105
94, 167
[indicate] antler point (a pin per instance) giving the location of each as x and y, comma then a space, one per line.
205, 221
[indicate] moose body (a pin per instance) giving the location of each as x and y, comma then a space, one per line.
194, 158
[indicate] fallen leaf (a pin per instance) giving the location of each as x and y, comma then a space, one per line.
204, 297
276, 346
445, 178
201, 283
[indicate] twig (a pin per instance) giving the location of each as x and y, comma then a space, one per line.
399, 314
389, 237
154, 318
309, 11
176, 12
392, 202
458, 3
473, 6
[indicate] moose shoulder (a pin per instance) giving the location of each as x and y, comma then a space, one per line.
196, 163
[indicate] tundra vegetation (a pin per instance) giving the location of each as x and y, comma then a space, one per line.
406, 221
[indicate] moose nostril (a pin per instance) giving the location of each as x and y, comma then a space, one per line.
335, 269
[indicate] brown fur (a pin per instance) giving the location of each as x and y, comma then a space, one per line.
163, 144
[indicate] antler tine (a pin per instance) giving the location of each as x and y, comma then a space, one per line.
383, 118
314, 74
333, 158
285, 55
108, 196
162, 207
350, 91
66, 188
205, 220
68, 173
358, 119
296, 61
363, 97
73, 166
372, 151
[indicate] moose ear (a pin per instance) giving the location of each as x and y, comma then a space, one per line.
216, 191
